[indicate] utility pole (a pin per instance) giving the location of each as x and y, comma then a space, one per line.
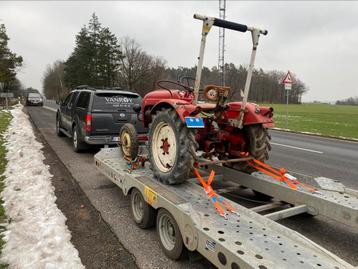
221, 60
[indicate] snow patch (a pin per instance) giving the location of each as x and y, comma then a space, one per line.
36, 235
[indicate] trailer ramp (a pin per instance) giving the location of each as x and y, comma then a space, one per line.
332, 199
247, 240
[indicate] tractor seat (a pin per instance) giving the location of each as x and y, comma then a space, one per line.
207, 106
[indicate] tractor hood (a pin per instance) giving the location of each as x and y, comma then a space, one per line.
168, 94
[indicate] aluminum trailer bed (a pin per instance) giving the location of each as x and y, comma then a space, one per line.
246, 240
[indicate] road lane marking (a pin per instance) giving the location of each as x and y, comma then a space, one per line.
50, 108
293, 147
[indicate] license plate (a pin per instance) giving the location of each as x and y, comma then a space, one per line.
194, 122
115, 139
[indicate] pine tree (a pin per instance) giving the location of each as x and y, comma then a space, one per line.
96, 57
9, 61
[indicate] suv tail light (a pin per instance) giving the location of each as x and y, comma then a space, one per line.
88, 122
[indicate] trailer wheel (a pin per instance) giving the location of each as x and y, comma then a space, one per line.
172, 147
128, 140
170, 237
143, 214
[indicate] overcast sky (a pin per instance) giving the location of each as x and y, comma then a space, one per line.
318, 41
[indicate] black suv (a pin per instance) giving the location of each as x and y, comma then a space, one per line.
95, 116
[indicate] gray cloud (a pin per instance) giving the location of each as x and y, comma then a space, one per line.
316, 40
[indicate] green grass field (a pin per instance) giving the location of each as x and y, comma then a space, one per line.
329, 120
5, 118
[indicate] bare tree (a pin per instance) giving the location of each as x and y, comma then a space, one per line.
138, 71
53, 87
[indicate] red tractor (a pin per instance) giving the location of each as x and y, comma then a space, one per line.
180, 126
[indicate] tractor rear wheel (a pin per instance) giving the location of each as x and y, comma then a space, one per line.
258, 146
172, 147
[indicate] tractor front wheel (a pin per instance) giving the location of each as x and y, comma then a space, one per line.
172, 147
128, 141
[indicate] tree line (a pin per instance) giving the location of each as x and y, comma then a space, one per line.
351, 101
100, 59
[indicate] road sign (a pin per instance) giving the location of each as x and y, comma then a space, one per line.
287, 82
7, 94
287, 79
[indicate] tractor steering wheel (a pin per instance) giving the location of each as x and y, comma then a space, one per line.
160, 85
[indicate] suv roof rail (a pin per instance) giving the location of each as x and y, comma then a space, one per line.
83, 87
116, 88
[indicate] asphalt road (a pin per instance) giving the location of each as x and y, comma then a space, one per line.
317, 156
300, 153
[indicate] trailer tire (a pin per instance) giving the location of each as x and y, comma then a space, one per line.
172, 147
143, 214
128, 141
170, 237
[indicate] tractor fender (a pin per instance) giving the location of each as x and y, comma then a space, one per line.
254, 114
182, 108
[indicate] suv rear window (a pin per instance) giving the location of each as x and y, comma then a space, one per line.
114, 101
83, 100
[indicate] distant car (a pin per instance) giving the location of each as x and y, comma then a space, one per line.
93, 116
34, 99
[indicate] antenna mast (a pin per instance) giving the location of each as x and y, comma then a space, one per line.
221, 61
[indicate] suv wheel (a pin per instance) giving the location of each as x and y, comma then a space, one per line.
58, 127
77, 142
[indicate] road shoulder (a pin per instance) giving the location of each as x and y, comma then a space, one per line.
98, 246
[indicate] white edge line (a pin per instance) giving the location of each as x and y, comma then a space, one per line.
293, 147
50, 108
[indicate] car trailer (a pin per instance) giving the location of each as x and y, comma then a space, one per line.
185, 217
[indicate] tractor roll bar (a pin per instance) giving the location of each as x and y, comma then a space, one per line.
208, 22
229, 25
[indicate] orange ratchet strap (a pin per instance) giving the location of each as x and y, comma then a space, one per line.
279, 175
214, 197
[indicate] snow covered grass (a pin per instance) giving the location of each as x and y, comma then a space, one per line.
36, 235
329, 120
5, 118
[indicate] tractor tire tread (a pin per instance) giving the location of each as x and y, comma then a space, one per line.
186, 152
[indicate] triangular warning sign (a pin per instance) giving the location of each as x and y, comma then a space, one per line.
288, 78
